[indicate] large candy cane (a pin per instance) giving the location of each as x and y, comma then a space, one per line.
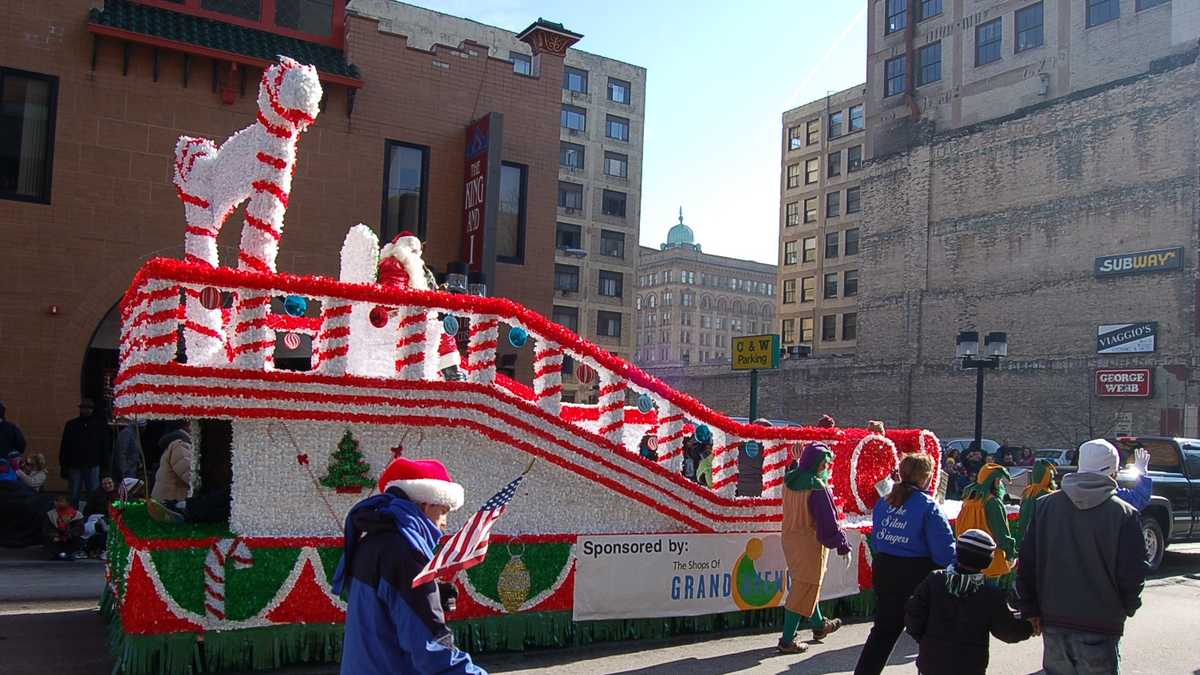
219, 553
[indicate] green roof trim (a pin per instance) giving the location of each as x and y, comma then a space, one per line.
550, 26
214, 34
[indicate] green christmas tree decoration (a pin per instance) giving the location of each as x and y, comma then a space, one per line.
347, 472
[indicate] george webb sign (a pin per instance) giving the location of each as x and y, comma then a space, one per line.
1123, 382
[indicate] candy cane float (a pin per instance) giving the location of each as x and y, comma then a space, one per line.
256, 163
214, 573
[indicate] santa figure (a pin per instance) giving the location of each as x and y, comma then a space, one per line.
401, 266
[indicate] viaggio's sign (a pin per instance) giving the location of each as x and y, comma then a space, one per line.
1157, 260
1127, 338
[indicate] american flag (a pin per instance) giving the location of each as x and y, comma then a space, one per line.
469, 546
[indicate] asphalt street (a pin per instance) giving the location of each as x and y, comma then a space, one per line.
49, 624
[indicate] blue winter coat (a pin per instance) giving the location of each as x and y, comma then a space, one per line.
917, 529
392, 627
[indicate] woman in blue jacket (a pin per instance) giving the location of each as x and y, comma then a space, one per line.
911, 538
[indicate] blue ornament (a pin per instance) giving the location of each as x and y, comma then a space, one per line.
703, 433
645, 403
450, 324
518, 336
295, 305
752, 448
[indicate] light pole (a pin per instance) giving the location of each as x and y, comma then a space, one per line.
967, 349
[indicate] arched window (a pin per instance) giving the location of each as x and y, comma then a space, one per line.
766, 311
653, 300
737, 306
637, 302
721, 306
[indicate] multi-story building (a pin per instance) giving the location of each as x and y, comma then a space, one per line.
820, 211
954, 63
691, 304
601, 125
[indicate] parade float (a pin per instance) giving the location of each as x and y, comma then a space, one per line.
601, 543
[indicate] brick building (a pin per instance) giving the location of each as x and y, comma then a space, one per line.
97, 93
692, 304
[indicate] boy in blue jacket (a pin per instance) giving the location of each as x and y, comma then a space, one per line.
392, 627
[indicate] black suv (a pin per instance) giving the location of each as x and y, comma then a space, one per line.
1173, 514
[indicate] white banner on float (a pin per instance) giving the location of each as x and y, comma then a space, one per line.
650, 575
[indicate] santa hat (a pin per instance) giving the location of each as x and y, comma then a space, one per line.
405, 240
425, 481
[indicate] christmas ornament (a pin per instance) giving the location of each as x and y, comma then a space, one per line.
295, 305
347, 470
291, 341
585, 373
450, 325
518, 336
379, 316
210, 298
645, 403
703, 433
513, 583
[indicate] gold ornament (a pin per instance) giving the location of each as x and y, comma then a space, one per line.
513, 584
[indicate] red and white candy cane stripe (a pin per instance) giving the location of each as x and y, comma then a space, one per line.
333, 340
612, 405
670, 435
220, 552
411, 336
547, 377
724, 464
253, 340
481, 348
149, 334
775, 460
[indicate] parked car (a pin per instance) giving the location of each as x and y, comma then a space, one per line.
961, 444
1058, 456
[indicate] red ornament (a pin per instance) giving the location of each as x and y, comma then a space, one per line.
302, 459
291, 341
379, 317
585, 373
210, 298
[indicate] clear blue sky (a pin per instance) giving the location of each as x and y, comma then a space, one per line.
719, 76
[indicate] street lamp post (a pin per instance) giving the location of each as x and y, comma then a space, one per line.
967, 349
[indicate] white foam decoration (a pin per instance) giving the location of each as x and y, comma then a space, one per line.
359, 262
135, 339
547, 384
482, 360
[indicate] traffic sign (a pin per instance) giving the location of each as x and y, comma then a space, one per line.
756, 352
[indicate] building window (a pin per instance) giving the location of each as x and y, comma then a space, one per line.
612, 244
810, 210
570, 155
608, 324
567, 317
853, 158
850, 326
406, 176
616, 164
831, 284
833, 204
575, 80
853, 200
566, 278
808, 289
611, 284
618, 128
511, 216
850, 284
28, 107
928, 8
307, 16
789, 291
1029, 27
831, 245
1147, 4
250, 10
522, 64
833, 166
894, 74
897, 16
858, 120
795, 138
567, 236
574, 118
829, 328
836, 119
618, 91
929, 63
987, 41
812, 171
613, 203
789, 331
812, 130
790, 252
570, 195
852, 241
792, 213
1102, 11
810, 250
806, 330
793, 175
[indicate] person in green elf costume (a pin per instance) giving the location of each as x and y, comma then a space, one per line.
1041, 483
983, 509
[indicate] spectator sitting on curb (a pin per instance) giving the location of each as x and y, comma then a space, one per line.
32, 471
64, 530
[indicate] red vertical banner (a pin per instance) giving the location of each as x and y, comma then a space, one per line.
475, 182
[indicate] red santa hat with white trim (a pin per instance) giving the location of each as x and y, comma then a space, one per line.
424, 481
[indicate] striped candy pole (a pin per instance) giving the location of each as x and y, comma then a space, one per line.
612, 406
333, 340
412, 334
775, 461
203, 333
547, 377
725, 456
670, 439
219, 553
253, 340
150, 331
481, 349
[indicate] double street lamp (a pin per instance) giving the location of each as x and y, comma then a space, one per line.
995, 347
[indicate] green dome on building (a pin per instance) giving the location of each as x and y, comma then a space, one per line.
680, 236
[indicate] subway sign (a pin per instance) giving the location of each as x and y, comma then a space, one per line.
1158, 260
1123, 383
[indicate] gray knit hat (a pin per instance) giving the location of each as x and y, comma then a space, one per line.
975, 549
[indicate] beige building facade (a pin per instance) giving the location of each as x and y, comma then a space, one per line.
691, 304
